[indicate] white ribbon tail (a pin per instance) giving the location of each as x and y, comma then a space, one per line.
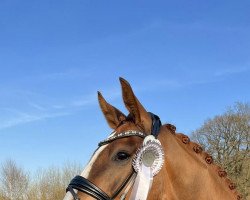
143, 183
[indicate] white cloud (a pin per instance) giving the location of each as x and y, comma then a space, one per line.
37, 106
24, 118
11, 117
231, 71
36, 109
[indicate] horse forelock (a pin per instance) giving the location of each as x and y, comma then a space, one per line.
205, 157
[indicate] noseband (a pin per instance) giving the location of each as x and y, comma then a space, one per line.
84, 185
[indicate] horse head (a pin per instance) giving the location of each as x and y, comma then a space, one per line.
187, 172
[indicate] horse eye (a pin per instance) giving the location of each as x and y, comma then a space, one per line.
120, 156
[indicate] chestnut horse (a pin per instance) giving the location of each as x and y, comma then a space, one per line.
188, 173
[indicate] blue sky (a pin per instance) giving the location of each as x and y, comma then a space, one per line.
186, 60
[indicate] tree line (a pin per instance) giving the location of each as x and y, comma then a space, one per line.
226, 137
46, 184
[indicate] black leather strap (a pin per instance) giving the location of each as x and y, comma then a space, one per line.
156, 124
123, 185
69, 188
82, 184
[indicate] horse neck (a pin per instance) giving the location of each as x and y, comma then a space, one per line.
188, 174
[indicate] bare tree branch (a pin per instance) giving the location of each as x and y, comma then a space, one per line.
227, 138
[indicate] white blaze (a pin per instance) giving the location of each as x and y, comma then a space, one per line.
87, 169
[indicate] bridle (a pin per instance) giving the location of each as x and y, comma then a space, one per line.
84, 185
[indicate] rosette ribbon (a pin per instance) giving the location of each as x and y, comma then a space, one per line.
147, 163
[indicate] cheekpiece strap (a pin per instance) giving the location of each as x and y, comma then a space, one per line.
156, 125
122, 135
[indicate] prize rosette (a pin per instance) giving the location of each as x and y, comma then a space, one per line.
151, 155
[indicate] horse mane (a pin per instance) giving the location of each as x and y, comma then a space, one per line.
205, 157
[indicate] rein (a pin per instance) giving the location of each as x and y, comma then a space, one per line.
84, 185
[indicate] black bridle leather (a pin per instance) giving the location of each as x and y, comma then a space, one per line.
84, 185
156, 125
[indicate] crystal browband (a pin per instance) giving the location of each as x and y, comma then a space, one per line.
122, 135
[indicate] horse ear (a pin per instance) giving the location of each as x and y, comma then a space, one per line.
135, 108
112, 114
